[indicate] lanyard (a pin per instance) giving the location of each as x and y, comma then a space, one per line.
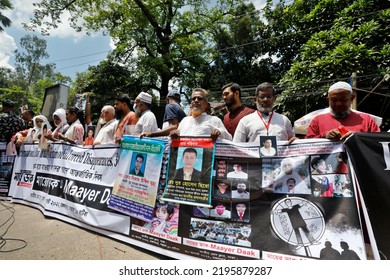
269, 121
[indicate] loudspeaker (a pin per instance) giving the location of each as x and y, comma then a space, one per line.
55, 97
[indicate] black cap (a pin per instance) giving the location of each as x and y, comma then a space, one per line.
174, 93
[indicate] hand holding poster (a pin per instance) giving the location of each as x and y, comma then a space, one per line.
189, 172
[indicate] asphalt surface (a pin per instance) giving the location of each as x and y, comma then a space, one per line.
26, 234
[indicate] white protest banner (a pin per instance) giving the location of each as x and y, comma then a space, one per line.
301, 205
69, 180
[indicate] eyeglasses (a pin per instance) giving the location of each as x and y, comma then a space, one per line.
197, 97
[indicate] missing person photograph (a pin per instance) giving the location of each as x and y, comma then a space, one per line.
189, 165
137, 166
268, 146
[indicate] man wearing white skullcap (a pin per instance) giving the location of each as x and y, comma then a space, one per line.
341, 121
147, 120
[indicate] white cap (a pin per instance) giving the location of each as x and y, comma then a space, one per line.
340, 85
145, 97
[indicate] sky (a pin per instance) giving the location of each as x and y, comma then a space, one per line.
72, 52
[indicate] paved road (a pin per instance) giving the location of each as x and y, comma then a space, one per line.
28, 235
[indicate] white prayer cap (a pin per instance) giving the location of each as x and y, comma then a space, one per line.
145, 97
340, 85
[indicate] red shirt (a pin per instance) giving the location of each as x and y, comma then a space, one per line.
356, 122
231, 119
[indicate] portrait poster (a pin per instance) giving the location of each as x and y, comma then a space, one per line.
42, 139
135, 188
190, 171
89, 135
268, 146
81, 101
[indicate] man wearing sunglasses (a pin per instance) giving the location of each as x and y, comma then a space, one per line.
199, 123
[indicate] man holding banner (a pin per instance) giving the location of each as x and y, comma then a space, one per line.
200, 123
341, 121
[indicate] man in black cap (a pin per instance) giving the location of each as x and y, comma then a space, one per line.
10, 123
172, 116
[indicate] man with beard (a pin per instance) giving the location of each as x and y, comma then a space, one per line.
341, 121
126, 116
231, 93
199, 123
264, 121
147, 120
240, 192
106, 134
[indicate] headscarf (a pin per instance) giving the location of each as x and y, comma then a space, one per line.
38, 130
61, 113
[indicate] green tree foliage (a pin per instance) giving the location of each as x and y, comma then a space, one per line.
325, 41
162, 41
26, 85
9, 88
239, 53
32, 75
28, 60
105, 81
4, 21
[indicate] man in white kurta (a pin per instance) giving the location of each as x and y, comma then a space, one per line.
200, 123
264, 121
147, 120
202, 126
106, 134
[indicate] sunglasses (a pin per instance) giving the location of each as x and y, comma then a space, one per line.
197, 97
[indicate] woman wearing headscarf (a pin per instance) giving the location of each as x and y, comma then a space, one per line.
75, 132
33, 134
59, 119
